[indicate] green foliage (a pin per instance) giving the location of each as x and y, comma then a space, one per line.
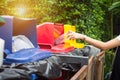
115, 8
87, 17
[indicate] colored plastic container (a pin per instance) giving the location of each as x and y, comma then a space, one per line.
71, 42
62, 48
18, 26
27, 27
58, 29
66, 29
46, 34
6, 32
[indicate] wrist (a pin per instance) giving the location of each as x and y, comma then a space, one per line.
84, 37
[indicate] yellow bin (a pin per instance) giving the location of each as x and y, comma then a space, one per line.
71, 42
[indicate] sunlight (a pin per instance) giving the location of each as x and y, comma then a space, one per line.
21, 10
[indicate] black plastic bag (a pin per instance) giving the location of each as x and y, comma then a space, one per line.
13, 74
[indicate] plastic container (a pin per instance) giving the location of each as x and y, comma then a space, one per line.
66, 29
45, 33
72, 42
58, 29
2, 42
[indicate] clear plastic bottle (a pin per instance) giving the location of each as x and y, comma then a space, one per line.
2, 42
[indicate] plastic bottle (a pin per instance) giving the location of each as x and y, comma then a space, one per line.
2, 42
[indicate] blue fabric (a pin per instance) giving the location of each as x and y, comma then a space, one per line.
27, 55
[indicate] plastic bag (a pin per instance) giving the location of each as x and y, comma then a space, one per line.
21, 42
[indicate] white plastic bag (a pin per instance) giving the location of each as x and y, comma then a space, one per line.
21, 42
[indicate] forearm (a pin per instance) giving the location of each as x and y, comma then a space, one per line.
94, 42
102, 45
99, 44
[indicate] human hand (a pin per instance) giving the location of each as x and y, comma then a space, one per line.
74, 35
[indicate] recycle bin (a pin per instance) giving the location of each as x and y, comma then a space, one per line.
93, 62
94, 70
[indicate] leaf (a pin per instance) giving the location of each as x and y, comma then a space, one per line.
114, 6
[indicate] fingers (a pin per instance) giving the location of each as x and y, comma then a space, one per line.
69, 32
70, 35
